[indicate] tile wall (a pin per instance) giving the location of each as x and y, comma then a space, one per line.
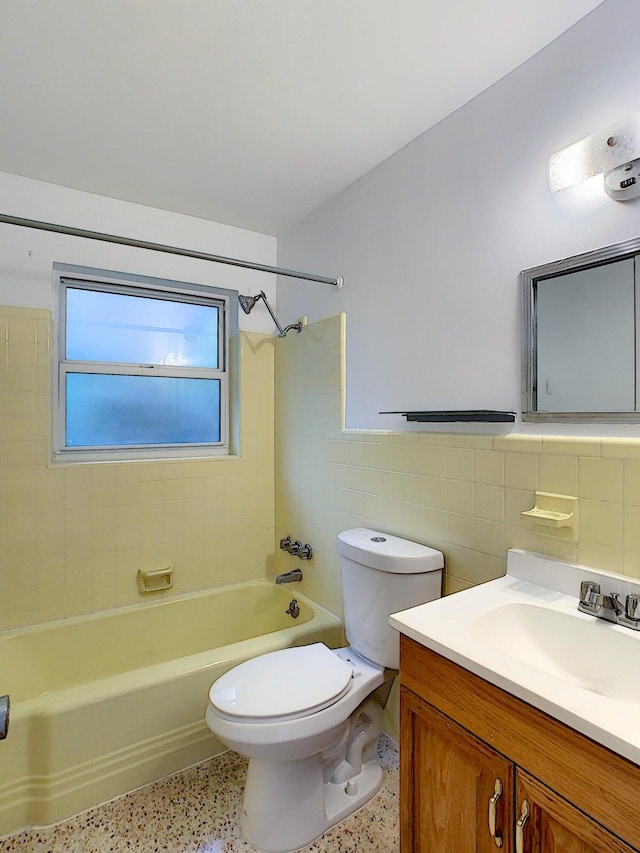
73, 537
460, 493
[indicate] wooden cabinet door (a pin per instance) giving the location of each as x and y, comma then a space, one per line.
447, 778
555, 826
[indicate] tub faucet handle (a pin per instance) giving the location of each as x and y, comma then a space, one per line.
296, 548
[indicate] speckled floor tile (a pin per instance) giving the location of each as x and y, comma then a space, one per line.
196, 812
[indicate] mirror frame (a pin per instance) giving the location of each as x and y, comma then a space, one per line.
528, 280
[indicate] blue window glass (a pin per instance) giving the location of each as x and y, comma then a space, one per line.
118, 328
121, 410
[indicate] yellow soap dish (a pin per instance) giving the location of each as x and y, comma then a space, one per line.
155, 580
557, 515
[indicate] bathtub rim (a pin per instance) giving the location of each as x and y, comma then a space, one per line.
130, 680
82, 618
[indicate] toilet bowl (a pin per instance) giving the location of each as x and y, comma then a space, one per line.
310, 763
308, 717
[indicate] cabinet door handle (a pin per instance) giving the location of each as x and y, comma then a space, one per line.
524, 817
493, 802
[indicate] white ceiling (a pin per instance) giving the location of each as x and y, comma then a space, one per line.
247, 112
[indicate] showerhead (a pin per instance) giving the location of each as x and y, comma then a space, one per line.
247, 302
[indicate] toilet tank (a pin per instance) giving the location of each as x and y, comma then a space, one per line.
382, 574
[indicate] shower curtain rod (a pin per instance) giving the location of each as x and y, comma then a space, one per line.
161, 247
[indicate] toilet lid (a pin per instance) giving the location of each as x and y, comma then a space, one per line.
282, 685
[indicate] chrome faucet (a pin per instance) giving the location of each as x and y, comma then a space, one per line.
608, 607
288, 577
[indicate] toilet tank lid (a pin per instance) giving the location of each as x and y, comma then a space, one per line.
388, 553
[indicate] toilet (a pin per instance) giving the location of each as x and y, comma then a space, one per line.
307, 718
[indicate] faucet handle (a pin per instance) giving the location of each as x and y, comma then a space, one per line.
632, 607
588, 591
305, 552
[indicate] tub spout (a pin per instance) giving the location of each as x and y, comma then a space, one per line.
287, 577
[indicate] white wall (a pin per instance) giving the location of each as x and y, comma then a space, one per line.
26, 255
431, 242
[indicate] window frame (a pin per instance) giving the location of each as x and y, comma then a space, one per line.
70, 277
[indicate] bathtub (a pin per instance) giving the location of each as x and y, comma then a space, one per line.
102, 704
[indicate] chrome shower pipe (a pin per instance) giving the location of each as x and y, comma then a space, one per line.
161, 247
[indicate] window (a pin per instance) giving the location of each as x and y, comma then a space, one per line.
142, 367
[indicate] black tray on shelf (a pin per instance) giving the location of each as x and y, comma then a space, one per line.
460, 415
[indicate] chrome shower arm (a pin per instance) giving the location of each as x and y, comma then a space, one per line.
247, 304
273, 316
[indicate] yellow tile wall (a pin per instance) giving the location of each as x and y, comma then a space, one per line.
460, 493
73, 537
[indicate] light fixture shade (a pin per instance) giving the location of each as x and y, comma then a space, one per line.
607, 149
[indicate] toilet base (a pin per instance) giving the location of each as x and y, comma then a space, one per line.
288, 804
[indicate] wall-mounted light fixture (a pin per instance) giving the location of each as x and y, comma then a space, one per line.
614, 152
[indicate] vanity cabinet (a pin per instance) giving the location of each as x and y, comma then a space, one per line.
452, 776
555, 826
481, 770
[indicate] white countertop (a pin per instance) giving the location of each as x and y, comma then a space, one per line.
524, 633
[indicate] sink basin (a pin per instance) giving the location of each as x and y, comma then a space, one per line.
524, 633
582, 650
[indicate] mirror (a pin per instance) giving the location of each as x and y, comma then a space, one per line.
581, 338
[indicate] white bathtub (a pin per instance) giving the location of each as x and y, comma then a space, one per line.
105, 703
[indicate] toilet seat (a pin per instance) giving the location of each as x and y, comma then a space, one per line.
282, 685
